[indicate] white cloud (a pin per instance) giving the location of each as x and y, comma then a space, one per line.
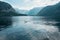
28, 4
43, 2
36, 3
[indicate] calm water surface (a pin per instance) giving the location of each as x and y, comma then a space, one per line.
31, 28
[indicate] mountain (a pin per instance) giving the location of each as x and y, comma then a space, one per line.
7, 10
31, 12
34, 11
51, 11
21, 11
6, 13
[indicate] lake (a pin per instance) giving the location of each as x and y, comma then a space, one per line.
32, 28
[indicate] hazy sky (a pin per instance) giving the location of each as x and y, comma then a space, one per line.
28, 4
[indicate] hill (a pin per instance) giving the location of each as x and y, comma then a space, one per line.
7, 10
51, 11
34, 11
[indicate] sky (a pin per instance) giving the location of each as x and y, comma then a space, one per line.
29, 4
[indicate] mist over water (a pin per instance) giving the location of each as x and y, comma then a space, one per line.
31, 28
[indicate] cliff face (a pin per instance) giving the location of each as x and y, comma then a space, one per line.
52, 11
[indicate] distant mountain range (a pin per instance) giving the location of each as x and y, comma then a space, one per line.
21, 11
34, 11
52, 11
31, 12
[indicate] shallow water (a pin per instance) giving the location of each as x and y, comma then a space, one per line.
31, 28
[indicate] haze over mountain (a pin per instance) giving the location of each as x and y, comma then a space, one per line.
31, 12
21, 11
34, 11
7, 10
6, 13
51, 11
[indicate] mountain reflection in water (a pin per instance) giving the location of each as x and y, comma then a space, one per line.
31, 28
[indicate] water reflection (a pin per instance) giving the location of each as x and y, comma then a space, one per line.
31, 28
5, 22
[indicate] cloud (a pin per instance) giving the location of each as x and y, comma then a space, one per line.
28, 4
39, 3
44, 2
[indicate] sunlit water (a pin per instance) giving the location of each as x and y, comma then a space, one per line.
31, 28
